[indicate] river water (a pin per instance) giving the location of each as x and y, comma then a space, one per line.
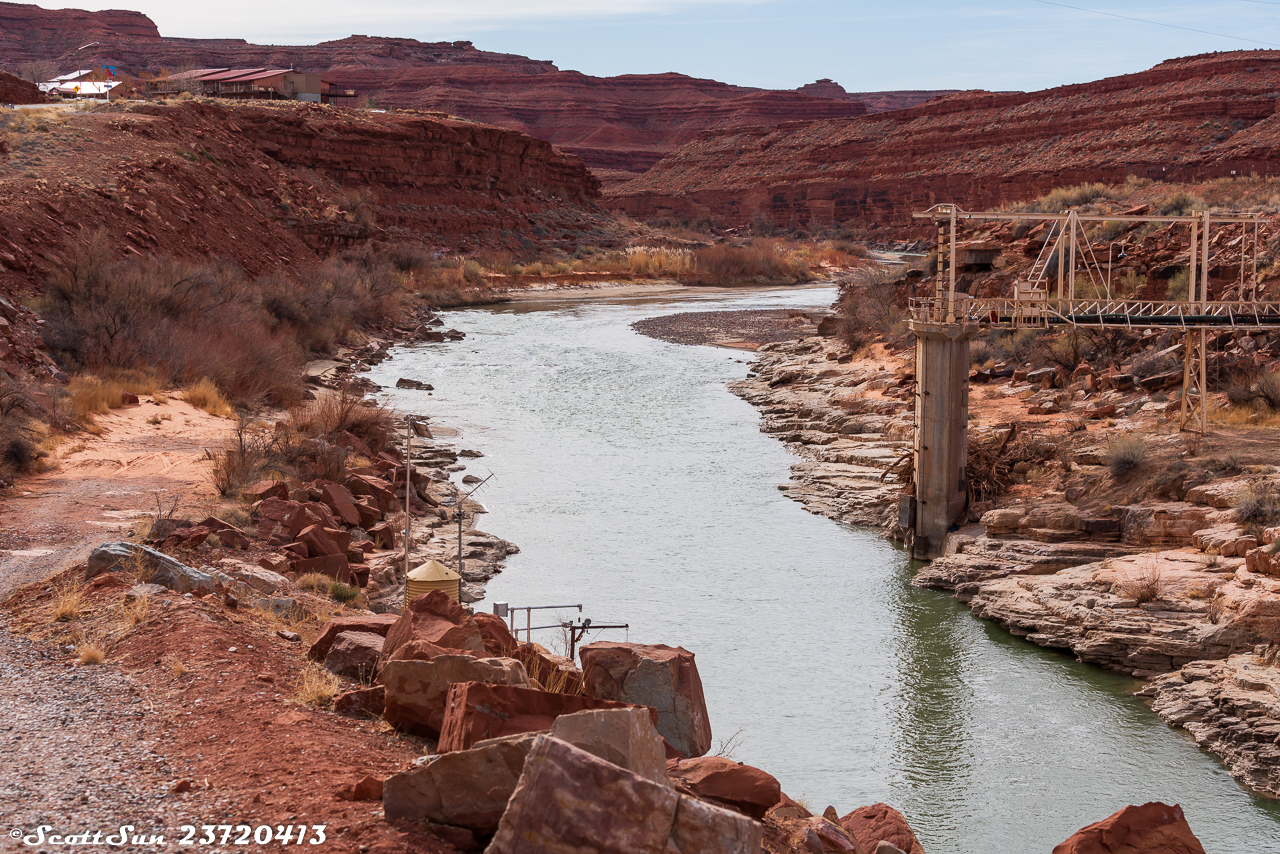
636, 484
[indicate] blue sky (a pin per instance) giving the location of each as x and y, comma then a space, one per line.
914, 44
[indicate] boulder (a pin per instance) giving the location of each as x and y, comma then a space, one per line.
659, 676
435, 618
1152, 828
354, 655
881, 823
139, 591
715, 778
186, 538
497, 637
148, 565
625, 737
338, 499
475, 711
260, 579
362, 701
466, 788
417, 690
267, 489
420, 650
378, 624
568, 801
227, 533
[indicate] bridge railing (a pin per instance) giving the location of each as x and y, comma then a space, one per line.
1044, 312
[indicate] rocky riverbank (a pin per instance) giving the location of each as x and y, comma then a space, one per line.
1162, 582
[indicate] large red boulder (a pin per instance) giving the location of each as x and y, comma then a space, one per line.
568, 801
1153, 828
742, 787
475, 711
497, 637
881, 823
437, 619
378, 624
417, 690
662, 677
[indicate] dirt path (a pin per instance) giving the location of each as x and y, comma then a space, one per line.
103, 484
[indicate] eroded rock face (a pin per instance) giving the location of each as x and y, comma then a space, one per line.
747, 789
661, 677
417, 690
569, 801
878, 823
1213, 700
1153, 828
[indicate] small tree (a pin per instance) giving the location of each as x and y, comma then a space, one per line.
38, 71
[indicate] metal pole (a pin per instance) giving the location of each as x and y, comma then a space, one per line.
458, 512
408, 480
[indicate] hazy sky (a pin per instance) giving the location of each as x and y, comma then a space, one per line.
915, 44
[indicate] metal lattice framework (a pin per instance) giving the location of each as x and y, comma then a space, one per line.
1042, 301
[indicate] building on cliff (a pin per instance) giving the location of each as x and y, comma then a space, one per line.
271, 84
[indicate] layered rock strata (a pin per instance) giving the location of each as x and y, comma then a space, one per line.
1203, 116
835, 416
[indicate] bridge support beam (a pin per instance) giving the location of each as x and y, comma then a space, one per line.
942, 432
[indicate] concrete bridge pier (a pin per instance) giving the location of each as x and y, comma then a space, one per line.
942, 434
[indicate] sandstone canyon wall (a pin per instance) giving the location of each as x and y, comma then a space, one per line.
272, 187
619, 125
1190, 118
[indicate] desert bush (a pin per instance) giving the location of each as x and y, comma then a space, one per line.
345, 411
1058, 200
1258, 505
980, 352
1068, 350
1126, 453
88, 395
343, 593
68, 602
1145, 586
1153, 364
204, 394
757, 263
1179, 287
1265, 391
870, 300
659, 261
315, 582
1180, 203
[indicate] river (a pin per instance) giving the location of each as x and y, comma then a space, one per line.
636, 484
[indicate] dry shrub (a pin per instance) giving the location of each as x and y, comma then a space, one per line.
1145, 586
345, 411
1258, 505
1126, 453
757, 263
873, 302
316, 686
204, 394
176, 666
344, 594
68, 602
88, 396
992, 458
1217, 608
134, 611
90, 653
659, 261
315, 582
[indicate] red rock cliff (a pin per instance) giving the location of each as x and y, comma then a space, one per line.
1188, 118
271, 187
28, 32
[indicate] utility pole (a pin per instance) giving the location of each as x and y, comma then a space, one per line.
411, 426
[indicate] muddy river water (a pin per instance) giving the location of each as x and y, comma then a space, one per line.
636, 484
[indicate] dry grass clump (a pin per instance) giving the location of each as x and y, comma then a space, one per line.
315, 582
316, 686
204, 394
345, 411
88, 395
134, 611
68, 602
343, 593
1126, 453
659, 261
90, 653
1144, 586
177, 667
